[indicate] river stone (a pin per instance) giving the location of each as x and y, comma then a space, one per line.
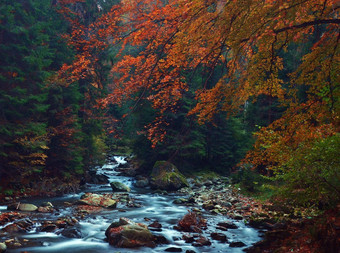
119, 187
227, 225
128, 234
173, 249
3, 247
93, 199
166, 176
236, 244
219, 237
23, 207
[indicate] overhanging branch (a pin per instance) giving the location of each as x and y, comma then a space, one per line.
310, 23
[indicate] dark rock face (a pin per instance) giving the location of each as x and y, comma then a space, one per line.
166, 176
128, 234
94, 178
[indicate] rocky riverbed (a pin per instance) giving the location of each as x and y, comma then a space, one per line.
118, 211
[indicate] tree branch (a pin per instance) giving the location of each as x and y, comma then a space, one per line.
310, 23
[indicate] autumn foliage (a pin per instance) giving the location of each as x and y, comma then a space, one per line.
247, 38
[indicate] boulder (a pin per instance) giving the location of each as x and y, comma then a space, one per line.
119, 187
166, 176
3, 247
142, 182
128, 234
93, 199
23, 207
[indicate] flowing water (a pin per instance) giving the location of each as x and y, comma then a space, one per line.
152, 206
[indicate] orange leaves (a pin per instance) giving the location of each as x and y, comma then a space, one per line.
161, 43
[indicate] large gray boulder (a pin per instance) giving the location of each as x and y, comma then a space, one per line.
166, 176
128, 234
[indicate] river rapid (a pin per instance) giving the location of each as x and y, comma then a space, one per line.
148, 207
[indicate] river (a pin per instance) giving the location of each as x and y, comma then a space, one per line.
152, 207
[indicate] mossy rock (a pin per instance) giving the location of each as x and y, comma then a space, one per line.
166, 176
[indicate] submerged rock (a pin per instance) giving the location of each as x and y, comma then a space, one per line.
128, 234
119, 187
166, 176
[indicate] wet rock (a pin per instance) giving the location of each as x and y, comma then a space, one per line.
85, 209
13, 228
94, 178
128, 234
191, 222
71, 232
188, 238
155, 226
219, 237
3, 247
173, 249
48, 227
166, 176
160, 239
209, 205
201, 241
228, 225
142, 182
236, 244
45, 209
19, 226
179, 201
190, 251
23, 207
93, 199
238, 217
47, 204
119, 187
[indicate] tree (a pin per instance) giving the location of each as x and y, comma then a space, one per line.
26, 58
249, 38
